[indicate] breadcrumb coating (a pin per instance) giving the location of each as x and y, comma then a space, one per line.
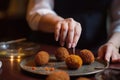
73, 61
61, 53
87, 56
58, 75
42, 58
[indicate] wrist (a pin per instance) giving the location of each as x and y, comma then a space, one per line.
115, 39
48, 21
112, 43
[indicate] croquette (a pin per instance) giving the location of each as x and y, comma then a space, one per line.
61, 53
42, 58
58, 75
83, 78
87, 56
73, 61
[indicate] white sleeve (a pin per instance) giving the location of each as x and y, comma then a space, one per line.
117, 28
43, 7
113, 27
37, 8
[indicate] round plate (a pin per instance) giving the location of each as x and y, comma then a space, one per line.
28, 64
21, 49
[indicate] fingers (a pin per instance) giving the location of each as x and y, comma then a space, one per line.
115, 57
101, 52
77, 34
107, 52
57, 31
68, 31
113, 53
63, 33
70, 34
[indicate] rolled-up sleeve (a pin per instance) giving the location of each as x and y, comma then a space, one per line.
36, 9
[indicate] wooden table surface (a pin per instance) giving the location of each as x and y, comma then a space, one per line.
11, 70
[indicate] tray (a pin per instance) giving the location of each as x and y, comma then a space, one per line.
28, 64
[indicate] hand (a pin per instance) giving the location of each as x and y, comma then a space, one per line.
68, 31
107, 51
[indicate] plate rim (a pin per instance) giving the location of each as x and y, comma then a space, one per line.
81, 74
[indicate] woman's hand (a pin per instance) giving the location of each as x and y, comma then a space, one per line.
68, 31
109, 51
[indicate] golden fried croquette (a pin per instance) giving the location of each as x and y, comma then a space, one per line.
61, 53
58, 75
83, 78
41, 58
87, 56
73, 61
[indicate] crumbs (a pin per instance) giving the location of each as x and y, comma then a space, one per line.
49, 68
40, 70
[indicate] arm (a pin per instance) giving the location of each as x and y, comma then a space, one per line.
115, 23
110, 50
41, 17
40, 13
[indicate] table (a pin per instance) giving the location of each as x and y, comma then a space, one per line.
12, 71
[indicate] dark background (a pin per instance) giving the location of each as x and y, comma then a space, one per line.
13, 24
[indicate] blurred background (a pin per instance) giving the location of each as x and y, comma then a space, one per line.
13, 24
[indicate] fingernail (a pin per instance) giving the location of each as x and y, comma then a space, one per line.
107, 60
62, 43
73, 45
56, 39
98, 57
69, 45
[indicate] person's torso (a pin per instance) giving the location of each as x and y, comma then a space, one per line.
80, 6
90, 13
